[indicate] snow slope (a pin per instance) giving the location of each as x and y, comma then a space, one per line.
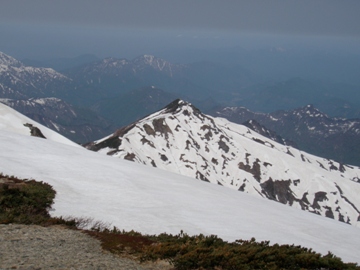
11, 120
150, 200
181, 139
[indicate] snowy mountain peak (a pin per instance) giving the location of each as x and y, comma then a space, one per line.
148, 59
179, 105
113, 62
20, 81
155, 63
309, 111
180, 139
228, 112
9, 61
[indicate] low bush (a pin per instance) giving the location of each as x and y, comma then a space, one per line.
28, 202
211, 252
24, 201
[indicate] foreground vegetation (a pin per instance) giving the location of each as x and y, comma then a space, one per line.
29, 202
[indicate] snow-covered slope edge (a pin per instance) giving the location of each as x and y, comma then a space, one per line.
149, 200
181, 139
13, 121
76, 124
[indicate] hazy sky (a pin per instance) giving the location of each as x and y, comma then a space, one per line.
319, 17
59, 22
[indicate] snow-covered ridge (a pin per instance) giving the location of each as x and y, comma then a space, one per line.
23, 72
181, 139
12, 121
109, 63
154, 62
7, 60
20, 81
33, 102
9, 65
149, 200
117, 67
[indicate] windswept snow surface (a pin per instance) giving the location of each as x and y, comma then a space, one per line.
182, 140
14, 121
150, 200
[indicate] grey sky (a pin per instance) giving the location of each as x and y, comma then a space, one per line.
289, 17
126, 28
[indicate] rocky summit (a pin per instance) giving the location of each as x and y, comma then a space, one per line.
181, 139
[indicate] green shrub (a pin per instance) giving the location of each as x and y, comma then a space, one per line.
24, 201
211, 252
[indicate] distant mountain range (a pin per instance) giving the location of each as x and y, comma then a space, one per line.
20, 81
88, 80
183, 140
110, 77
110, 93
310, 129
335, 99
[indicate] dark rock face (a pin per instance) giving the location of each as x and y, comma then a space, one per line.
278, 191
178, 104
34, 131
173, 106
130, 156
329, 213
160, 126
113, 142
255, 169
223, 145
149, 130
319, 197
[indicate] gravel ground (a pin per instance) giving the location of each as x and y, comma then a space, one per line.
55, 247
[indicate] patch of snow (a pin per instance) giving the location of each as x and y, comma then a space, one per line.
149, 200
